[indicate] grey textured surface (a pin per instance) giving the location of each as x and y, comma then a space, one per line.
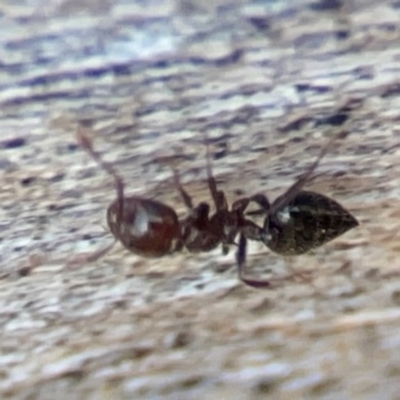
151, 76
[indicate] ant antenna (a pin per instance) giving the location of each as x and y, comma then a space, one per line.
85, 141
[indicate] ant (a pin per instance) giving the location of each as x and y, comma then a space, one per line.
294, 223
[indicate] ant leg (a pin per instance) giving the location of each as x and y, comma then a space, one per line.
241, 263
249, 228
198, 216
262, 201
89, 257
218, 196
257, 283
184, 194
229, 239
282, 201
240, 205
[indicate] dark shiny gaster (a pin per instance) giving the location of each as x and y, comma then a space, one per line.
311, 220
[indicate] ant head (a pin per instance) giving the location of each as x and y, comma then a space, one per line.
144, 226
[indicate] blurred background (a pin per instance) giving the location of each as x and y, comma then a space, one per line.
268, 82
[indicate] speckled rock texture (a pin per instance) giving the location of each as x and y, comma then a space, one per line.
268, 82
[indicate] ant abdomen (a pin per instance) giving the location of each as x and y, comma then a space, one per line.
307, 222
146, 227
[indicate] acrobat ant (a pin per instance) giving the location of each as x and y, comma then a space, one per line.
294, 223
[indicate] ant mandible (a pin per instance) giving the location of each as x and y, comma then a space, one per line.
294, 223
